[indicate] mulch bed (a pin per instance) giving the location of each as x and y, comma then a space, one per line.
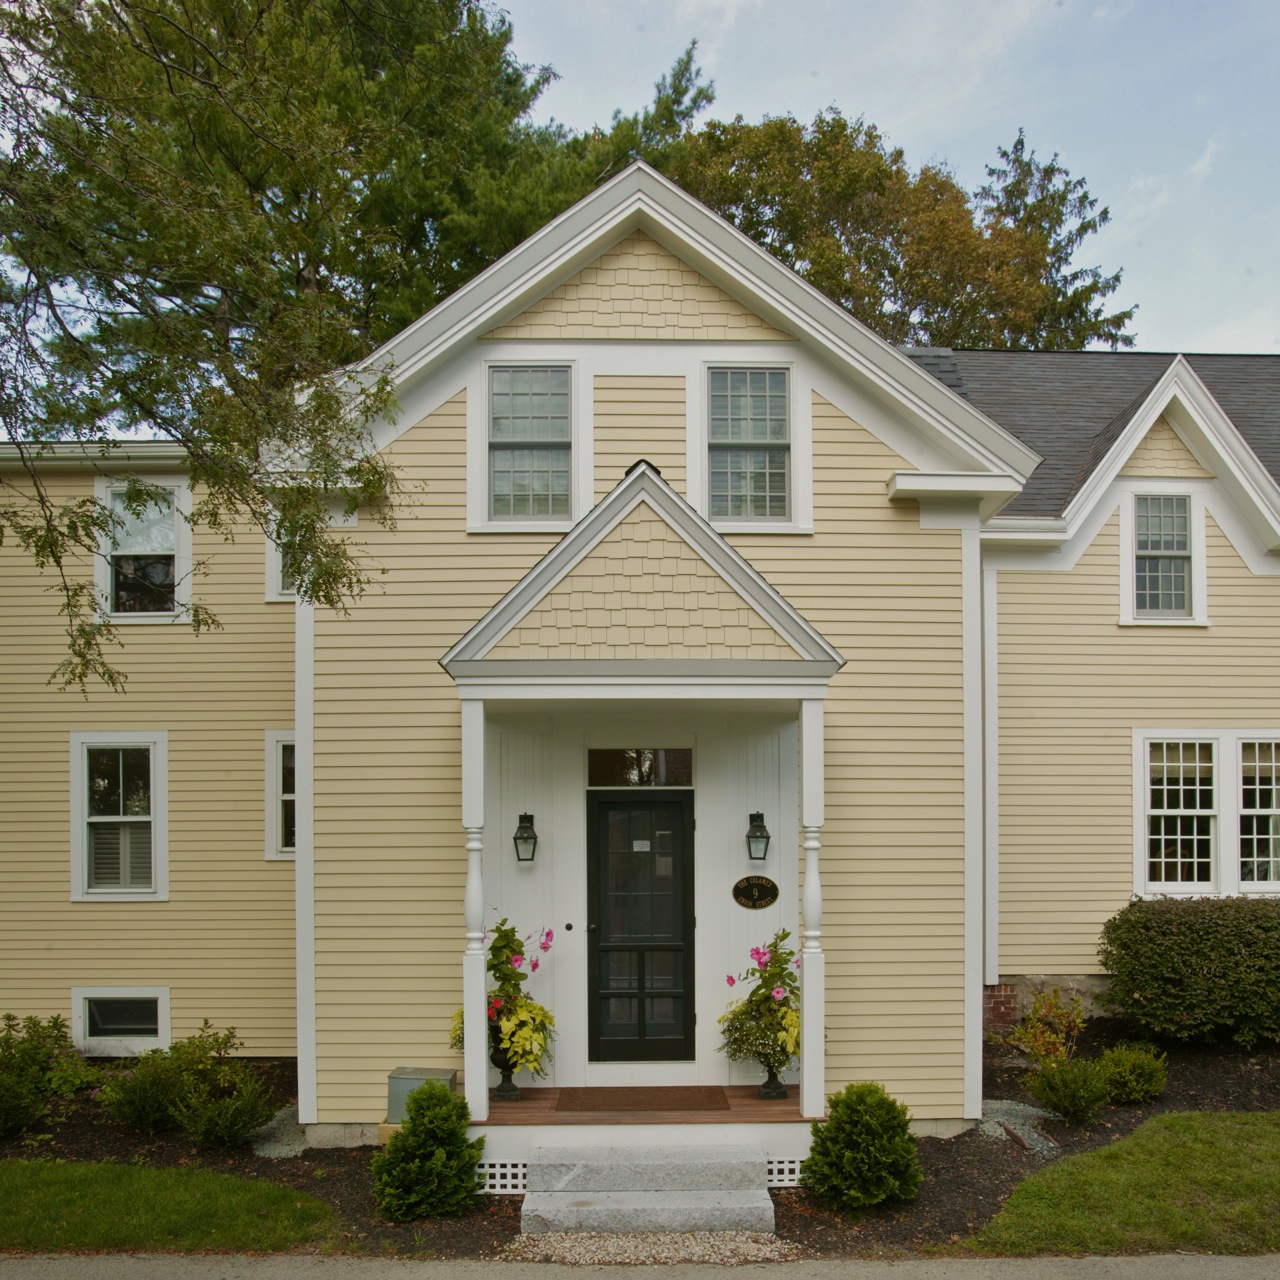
966, 1178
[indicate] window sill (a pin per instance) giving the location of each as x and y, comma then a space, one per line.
1202, 623
523, 526
280, 857
759, 526
120, 1046
93, 895
143, 619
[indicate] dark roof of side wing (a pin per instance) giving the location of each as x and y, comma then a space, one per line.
1072, 406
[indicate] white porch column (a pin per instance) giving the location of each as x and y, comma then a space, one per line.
475, 1055
813, 963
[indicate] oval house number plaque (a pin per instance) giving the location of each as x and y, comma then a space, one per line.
754, 892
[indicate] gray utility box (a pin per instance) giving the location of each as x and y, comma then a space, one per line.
404, 1080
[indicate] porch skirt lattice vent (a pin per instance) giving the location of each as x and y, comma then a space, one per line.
509, 1178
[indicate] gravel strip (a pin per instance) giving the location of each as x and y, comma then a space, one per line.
590, 1248
1020, 1118
281, 1137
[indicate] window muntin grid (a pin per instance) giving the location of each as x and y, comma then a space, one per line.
1260, 812
143, 555
749, 434
118, 818
1181, 812
1162, 566
530, 447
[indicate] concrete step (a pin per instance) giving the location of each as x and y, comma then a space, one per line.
723, 1168
635, 1189
631, 1212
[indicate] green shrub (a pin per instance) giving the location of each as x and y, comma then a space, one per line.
195, 1085
21, 1105
37, 1060
1052, 1027
145, 1093
1134, 1073
1075, 1089
227, 1115
863, 1153
429, 1169
1197, 968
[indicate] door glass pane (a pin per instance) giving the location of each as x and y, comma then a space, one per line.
640, 767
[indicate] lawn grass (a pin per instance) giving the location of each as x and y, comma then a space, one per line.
1191, 1181
50, 1205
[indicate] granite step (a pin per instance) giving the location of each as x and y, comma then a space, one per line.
635, 1189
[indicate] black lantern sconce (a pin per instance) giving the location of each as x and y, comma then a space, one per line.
757, 838
525, 839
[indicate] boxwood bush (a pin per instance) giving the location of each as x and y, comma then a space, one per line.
1197, 968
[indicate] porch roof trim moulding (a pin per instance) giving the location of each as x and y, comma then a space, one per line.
643, 484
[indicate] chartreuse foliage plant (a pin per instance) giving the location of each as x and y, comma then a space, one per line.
65, 1205
1197, 968
863, 1153
1134, 1073
430, 1167
1074, 1088
1189, 1182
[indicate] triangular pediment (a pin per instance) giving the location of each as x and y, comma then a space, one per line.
1162, 453
644, 584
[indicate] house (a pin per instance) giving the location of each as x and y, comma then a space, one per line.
985, 640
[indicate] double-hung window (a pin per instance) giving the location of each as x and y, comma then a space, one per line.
119, 815
1210, 813
749, 444
144, 547
281, 795
1162, 576
530, 443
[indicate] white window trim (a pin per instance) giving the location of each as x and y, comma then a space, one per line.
272, 741
104, 486
1225, 882
581, 460
1129, 616
800, 451
158, 741
118, 1046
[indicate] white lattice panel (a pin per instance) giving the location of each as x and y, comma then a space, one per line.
784, 1173
504, 1179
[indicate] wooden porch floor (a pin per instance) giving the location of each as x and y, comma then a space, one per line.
538, 1106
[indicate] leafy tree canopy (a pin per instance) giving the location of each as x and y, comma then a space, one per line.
911, 254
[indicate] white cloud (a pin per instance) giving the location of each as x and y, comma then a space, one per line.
1204, 162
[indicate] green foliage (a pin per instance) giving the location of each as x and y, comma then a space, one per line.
1134, 1073
21, 1105
1197, 968
195, 1085
1199, 1183
1050, 1030
1075, 1089
764, 1025
37, 1061
145, 1093
910, 253
429, 1169
863, 1153
54, 1205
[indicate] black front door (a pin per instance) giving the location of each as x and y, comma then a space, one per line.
640, 926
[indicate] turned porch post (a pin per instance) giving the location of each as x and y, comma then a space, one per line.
813, 963
475, 1056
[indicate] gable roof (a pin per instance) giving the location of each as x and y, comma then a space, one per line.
1074, 407
641, 199
814, 656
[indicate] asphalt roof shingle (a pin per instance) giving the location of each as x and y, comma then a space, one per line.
1072, 406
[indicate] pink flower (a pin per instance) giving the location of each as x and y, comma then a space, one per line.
760, 955
545, 944
730, 979
797, 962
778, 993
517, 961
533, 965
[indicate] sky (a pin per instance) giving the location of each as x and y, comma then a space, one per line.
1169, 109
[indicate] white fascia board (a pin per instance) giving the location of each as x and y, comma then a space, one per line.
640, 199
643, 484
1212, 439
105, 457
731, 689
